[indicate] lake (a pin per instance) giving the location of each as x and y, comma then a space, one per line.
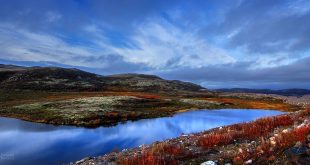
24, 142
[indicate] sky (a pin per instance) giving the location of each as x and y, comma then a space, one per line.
214, 43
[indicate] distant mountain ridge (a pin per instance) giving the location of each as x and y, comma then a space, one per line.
284, 92
71, 79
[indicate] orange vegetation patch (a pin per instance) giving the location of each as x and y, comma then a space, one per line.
141, 95
98, 94
253, 104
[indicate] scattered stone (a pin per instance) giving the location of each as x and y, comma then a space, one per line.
249, 161
83, 160
210, 162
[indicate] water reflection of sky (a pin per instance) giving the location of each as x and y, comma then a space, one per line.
33, 143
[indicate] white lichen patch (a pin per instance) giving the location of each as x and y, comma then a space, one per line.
29, 106
81, 105
198, 102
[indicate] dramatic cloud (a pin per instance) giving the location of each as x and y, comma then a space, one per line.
263, 26
243, 43
162, 45
153, 44
239, 74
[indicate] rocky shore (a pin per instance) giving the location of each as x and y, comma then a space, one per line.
259, 142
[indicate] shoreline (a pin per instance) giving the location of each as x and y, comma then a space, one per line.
119, 122
122, 107
131, 106
187, 149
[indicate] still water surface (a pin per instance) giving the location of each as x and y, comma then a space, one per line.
24, 142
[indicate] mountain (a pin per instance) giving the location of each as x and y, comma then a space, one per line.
142, 82
284, 92
70, 79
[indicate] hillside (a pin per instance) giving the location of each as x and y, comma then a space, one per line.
70, 79
141, 82
49, 78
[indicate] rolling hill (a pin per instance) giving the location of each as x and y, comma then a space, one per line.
71, 79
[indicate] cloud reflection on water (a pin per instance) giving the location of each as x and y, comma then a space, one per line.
34, 143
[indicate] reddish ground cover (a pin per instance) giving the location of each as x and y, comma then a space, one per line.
254, 104
267, 147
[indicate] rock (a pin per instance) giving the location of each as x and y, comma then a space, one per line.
273, 141
83, 160
249, 161
209, 162
213, 151
301, 125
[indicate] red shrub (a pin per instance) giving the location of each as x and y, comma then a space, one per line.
148, 159
211, 140
245, 131
266, 151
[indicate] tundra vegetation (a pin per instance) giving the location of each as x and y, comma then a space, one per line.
262, 141
94, 109
73, 97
